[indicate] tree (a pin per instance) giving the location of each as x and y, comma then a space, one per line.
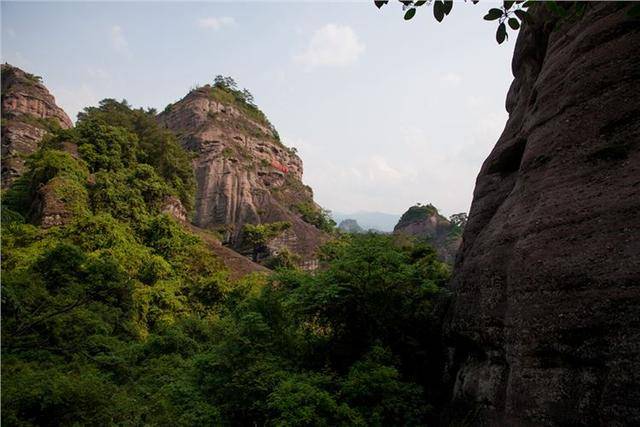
248, 97
459, 220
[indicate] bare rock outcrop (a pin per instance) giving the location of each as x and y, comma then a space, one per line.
244, 174
28, 109
546, 314
425, 222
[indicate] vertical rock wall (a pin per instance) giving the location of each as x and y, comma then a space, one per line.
27, 106
546, 315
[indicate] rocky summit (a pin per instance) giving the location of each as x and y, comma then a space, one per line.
245, 175
545, 320
28, 111
426, 223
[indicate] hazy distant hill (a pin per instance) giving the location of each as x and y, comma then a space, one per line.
377, 220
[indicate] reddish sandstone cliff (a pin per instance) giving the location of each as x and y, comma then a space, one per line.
28, 109
244, 174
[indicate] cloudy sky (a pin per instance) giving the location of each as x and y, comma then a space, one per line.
384, 113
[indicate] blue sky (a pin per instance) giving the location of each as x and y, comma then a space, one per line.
385, 113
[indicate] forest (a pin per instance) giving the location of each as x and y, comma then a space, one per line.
122, 316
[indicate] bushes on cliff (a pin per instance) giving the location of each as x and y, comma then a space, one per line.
41, 168
114, 127
316, 216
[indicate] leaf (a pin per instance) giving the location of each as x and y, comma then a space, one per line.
410, 13
380, 3
513, 23
524, 16
507, 5
420, 3
501, 33
438, 10
493, 14
448, 5
528, 3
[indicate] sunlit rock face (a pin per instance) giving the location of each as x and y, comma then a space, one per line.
244, 173
28, 109
545, 323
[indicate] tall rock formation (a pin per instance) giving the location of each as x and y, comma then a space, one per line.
244, 174
425, 222
546, 312
28, 110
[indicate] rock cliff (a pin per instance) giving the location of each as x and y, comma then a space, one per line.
425, 222
244, 174
28, 110
546, 314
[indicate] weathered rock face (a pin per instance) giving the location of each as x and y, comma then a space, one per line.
546, 316
27, 106
424, 222
244, 174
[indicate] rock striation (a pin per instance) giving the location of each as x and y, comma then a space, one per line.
545, 321
244, 174
426, 223
28, 110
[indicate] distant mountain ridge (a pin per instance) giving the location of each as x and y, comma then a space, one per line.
380, 221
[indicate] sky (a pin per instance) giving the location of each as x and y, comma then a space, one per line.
385, 113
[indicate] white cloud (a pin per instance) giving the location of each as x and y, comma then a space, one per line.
11, 32
331, 45
118, 41
214, 23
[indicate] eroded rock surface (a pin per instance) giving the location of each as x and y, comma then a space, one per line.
546, 318
28, 109
244, 174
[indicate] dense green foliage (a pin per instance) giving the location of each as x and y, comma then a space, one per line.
314, 215
106, 325
226, 91
122, 317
